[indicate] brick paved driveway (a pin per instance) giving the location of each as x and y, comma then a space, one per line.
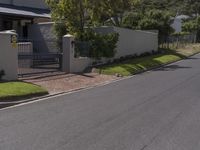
60, 82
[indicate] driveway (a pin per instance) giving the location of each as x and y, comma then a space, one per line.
157, 110
59, 82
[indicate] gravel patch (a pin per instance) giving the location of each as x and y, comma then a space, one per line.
60, 82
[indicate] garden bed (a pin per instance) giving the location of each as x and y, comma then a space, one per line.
135, 65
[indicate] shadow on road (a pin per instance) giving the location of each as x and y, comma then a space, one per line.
192, 58
172, 68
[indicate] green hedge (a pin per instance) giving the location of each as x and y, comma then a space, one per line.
100, 45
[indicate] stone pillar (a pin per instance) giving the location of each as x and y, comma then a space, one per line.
9, 55
68, 53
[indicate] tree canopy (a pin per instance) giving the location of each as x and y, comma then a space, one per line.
75, 14
176, 7
149, 20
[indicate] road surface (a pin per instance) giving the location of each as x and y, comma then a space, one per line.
157, 110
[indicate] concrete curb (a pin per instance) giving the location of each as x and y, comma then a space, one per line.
24, 101
57, 94
8, 104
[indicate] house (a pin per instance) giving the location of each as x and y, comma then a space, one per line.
20, 14
178, 22
36, 42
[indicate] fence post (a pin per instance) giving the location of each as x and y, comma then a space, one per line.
68, 53
9, 55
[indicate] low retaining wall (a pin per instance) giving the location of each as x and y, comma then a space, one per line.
8, 55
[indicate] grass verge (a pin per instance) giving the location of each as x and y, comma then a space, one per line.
133, 66
15, 90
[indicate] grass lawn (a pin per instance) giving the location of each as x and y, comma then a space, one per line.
14, 90
136, 65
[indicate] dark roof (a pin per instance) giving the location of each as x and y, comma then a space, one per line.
24, 11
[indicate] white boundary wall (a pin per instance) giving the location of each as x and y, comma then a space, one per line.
130, 42
8, 56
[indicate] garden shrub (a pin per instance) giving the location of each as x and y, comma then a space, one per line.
60, 30
180, 34
100, 45
145, 54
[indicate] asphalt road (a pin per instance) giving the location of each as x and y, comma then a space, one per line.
158, 110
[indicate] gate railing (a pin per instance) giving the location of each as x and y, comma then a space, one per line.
34, 62
82, 49
37, 63
177, 41
25, 47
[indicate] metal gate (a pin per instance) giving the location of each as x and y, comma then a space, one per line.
31, 63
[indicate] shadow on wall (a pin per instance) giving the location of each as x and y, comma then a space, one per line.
43, 37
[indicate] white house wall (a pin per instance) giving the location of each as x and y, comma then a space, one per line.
177, 25
178, 22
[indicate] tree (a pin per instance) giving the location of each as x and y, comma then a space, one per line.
192, 7
71, 13
157, 19
149, 20
175, 7
131, 20
166, 5
192, 26
117, 8
75, 14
